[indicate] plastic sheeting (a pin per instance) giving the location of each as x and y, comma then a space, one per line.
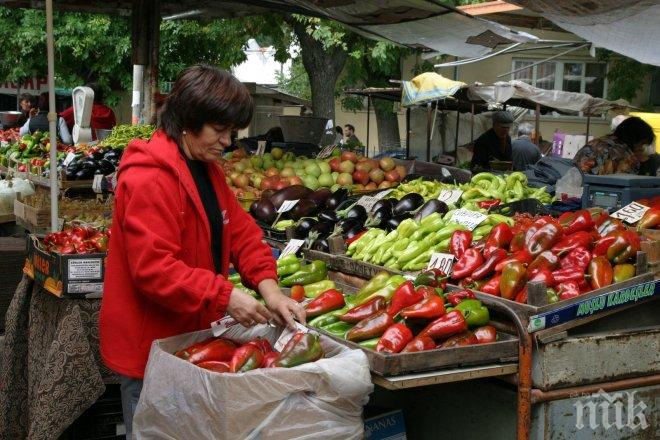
428, 86
319, 400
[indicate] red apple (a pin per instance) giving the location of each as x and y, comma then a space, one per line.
370, 186
349, 155
295, 180
272, 171
377, 176
364, 166
392, 176
346, 166
241, 181
334, 164
385, 184
280, 184
401, 170
361, 177
387, 163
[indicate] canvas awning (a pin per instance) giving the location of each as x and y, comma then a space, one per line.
427, 87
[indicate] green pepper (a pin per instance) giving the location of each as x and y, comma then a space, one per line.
386, 291
338, 329
474, 312
288, 265
372, 245
413, 251
315, 289
369, 343
330, 317
301, 349
407, 228
375, 283
552, 296
308, 274
234, 278
282, 225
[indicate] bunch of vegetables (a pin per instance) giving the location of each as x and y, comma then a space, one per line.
573, 254
28, 149
305, 280
9, 135
393, 315
124, 133
225, 356
76, 240
651, 218
90, 161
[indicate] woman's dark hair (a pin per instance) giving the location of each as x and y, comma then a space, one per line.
42, 102
634, 130
29, 98
350, 127
204, 94
99, 96
339, 130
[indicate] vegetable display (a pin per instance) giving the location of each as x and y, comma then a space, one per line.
76, 240
122, 134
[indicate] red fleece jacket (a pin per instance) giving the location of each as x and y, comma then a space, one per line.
159, 278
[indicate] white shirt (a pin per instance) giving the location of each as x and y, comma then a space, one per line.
65, 136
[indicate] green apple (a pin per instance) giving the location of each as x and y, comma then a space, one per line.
326, 180
311, 182
313, 170
325, 167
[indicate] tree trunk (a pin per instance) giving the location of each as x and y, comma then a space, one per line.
388, 125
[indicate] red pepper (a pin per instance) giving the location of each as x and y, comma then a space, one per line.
567, 290
445, 326
326, 302
576, 221
454, 298
217, 366
371, 327
598, 215
545, 259
600, 271
650, 219
186, 352
499, 238
362, 311
404, 296
520, 256
356, 237
466, 283
395, 338
578, 258
610, 225
428, 308
601, 246
262, 344
625, 246
566, 275
545, 276
570, 242
517, 242
246, 358
492, 286
542, 235
269, 359
468, 263
216, 350
488, 266
460, 340
440, 279
419, 343
521, 297
487, 204
513, 280
298, 293
485, 334
459, 242
427, 291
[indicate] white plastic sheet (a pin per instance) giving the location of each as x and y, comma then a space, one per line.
320, 400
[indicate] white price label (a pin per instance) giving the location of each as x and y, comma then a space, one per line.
287, 334
292, 247
368, 202
96, 184
445, 172
443, 262
450, 196
220, 327
261, 148
631, 213
287, 206
68, 159
467, 218
382, 194
325, 152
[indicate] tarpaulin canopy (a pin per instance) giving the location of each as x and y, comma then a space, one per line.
426, 87
631, 27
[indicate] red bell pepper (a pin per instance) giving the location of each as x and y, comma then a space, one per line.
298, 293
262, 344
650, 219
520, 256
488, 267
460, 340
301, 349
246, 358
356, 237
498, 238
598, 215
216, 350
419, 343
545, 259
270, 359
492, 286
566, 275
395, 338
445, 326
487, 204
576, 221
404, 296
186, 352
521, 297
485, 334
600, 271
578, 258
371, 327
545, 276
601, 246
217, 366
326, 302
468, 263
517, 242
459, 242
610, 224
512, 280
363, 311
568, 290
427, 291
570, 242
428, 308
624, 247
542, 235
454, 298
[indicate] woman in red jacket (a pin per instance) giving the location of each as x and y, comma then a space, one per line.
176, 227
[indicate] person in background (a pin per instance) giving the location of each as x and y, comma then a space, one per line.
616, 121
339, 138
102, 116
626, 150
38, 121
523, 151
349, 132
26, 102
494, 143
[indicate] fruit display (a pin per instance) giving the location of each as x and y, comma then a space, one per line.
76, 239
24, 151
222, 355
391, 314
122, 134
9, 135
573, 254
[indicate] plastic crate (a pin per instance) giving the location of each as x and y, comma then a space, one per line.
525, 206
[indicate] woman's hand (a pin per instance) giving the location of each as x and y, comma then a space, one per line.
284, 308
247, 310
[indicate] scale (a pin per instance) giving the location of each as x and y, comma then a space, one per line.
614, 191
83, 101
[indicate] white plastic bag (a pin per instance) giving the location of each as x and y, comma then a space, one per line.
319, 400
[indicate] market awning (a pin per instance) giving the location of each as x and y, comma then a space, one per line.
427, 87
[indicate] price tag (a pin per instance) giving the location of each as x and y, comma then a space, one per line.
287, 206
96, 184
631, 213
220, 327
443, 262
467, 218
291, 247
382, 194
261, 148
445, 172
287, 334
368, 202
113, 181
325, 152
450, 196
68, 159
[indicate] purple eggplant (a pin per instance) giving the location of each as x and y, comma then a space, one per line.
304, 208
430, 207
303, 227
408, 203
336, 198
294, 192
264, 211
320, 196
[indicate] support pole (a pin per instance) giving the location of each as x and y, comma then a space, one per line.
407, 132
429, 112
537, 123
368, 123
138, 74
145, 40
588, 127
52, 117
458, 120
471, 123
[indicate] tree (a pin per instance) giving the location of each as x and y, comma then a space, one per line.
625, 76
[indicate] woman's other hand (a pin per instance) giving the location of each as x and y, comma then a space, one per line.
284, 308
247, 310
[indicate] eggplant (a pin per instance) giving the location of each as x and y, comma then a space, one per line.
267, 193
97, 155
304, 208
303, 227
321, 245
336, 198
352, 232
320, 196
394, 222
85, 174
328, 216
408, 203
264, 211
322, 229
379, 217
293, 192
346, 224
384, 203
89, 163
106, 167
430, 207
356, 211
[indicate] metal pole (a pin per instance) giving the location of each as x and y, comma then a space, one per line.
537, 123
138, 74
458, 120
471, 123
368, 120
588, 124
407, 132
429, 112
52, 116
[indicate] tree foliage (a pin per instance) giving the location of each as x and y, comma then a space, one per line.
625, 76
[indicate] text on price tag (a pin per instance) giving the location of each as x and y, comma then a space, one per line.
287, 334
292, 247
450, 196
261, 148
384, 193
441, 261
220, 327
68, 159
96, 184
368, 202
631, 213
467, 218
287, 206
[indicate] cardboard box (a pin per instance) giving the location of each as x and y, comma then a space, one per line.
66, 276
31, 215
388, 426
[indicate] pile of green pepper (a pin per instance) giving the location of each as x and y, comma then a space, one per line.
122, 134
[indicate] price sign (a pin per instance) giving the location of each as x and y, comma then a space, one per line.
287, 206
467, 218
631, 213
325, 152
382, 194
445, 172
292, 247
68, 159
450, 196
368, 202
220, 327
261, 148
443, 262
96, 184
287, 334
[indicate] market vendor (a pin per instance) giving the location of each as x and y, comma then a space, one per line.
494, 143
626, 150
38, 121
176, 228
26, 102
102, 116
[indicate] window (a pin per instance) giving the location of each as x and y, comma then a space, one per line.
570, 76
